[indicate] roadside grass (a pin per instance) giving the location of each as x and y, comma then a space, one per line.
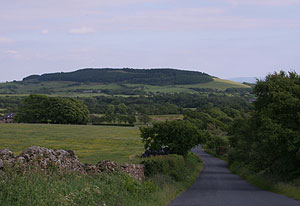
116, 189
172, 186
38, 189
91, 143
290, 189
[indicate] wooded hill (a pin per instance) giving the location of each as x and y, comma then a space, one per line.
99, 82
127, 76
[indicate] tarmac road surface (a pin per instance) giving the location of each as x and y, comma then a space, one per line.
217, 186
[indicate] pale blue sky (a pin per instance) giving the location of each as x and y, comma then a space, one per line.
224, 38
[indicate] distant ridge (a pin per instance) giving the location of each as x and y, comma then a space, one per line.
251, 80
158, 76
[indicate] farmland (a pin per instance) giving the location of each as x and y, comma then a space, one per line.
91, 143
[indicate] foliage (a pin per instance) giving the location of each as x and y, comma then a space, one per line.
269, 141
144, 118
10, 103
218, 145
57, 110
215, 123
131, 76
173, 165
180, 136
160, 104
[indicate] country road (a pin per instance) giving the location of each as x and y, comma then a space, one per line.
217, 186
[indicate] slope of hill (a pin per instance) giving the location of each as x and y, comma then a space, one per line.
131, 76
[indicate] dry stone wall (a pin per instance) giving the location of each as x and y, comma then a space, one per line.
64, 160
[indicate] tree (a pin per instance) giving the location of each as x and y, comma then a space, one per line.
180, 136
33, 109
56, 110
269, 140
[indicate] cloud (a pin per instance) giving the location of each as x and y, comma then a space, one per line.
82, 30
4, 40
12, 52
45, 31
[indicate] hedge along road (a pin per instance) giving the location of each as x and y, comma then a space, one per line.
217, 186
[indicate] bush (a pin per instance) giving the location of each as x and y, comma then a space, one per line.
171, 165
180, 136
175, 166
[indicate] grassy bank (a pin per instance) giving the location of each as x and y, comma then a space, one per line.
175, 179
290, 189
117, 189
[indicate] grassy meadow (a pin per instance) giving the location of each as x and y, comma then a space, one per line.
90, 143
167, 117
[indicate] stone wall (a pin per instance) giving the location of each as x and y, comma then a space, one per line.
64, 160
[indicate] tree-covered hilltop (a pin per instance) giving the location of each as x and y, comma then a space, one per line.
126, 75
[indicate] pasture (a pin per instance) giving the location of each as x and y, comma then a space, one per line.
90, 143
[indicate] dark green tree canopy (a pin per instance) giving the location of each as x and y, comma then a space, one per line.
180, 136
278, 97
56, 110
126, 75
269, 140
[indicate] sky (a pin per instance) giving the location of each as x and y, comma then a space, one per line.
224, 38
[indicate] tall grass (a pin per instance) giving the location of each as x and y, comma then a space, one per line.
34, 188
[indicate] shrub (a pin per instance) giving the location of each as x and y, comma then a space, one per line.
171, 165
174, 166
180, 136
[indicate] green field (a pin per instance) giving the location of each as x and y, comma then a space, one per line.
91, 143
168, 117
218, 84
